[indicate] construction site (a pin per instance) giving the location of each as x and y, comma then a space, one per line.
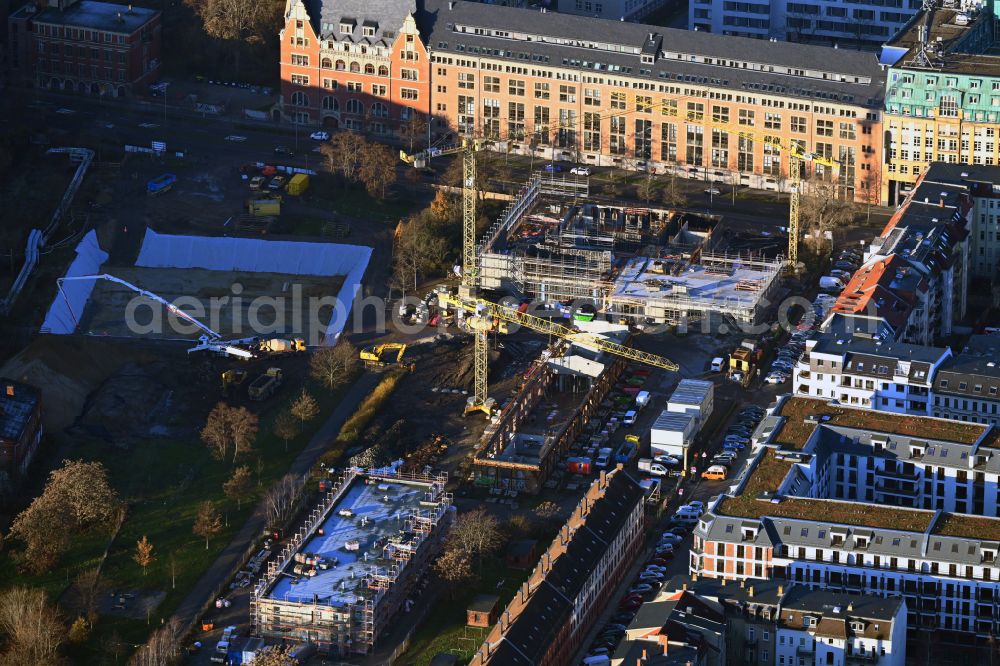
351, 567
635, 265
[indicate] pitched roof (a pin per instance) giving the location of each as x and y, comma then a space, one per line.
614, 47
386, 16
882, 287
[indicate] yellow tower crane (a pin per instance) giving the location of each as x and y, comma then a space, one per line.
797, 155
486, 313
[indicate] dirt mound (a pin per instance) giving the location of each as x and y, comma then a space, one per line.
66, 369
135, 403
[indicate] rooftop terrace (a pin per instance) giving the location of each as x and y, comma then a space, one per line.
767, 477
796, 431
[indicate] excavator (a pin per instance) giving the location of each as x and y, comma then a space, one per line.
380, 356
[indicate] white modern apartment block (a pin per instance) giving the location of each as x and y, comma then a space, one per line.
841, 22
860, 501
967, 387
883, 375
695, 397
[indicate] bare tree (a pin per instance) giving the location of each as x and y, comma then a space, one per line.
162, 648
454, 568
280, 498
33, 629
305, 408
208, 522
378, 169
287, 427
239, 486
77, 497
343, 154
648, 188
671, 195
143, 553
334, 366
820, 209
230, 429
241, 21
419, 250
476, 533
413, 130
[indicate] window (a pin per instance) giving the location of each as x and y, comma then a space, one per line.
542, 126
466, 81
409, 74
643, 104
515, 87
746, 117
567, 93
847, 131
618, 100
340, 66
368, 30
300, 80
346, 28
824, 127
720, 114
300, 99
354, 86
696, 111
300, 60
408, 94
949, 106
379, 110
354, 106
591, 97
491, 84
370, 69
383, 70
378, 90
772, 121
798, 124
355, 68
541, 91
515, 120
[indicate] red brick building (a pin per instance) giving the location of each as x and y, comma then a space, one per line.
84, 46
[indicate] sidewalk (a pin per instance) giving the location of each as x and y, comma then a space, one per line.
231, 557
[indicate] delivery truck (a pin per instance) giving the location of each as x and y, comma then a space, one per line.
297, 185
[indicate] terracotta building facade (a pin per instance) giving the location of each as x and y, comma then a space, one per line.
588, 90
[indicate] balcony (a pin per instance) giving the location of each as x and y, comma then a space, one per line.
893, 474
861, 659
893, 489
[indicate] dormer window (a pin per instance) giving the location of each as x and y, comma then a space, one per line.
809, 621
346, 27
858, 626
647, 59
368, 29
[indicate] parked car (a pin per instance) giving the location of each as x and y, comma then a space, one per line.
282, 150
697, 504
776, 378
276, 183
713, 191
667, 461
553, 168
580, 171
715, 473
669, 539
320, 135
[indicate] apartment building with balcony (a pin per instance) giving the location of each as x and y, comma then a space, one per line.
587, 90
84, 46
942, 101
854, 500
967, 386
767, 622
863, 372
842, 22
575, 578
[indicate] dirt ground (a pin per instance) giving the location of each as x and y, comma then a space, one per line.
279, 302
428, 404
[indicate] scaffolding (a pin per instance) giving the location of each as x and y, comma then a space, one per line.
352, 615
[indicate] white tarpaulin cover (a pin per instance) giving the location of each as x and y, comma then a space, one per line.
69, 302
251, 255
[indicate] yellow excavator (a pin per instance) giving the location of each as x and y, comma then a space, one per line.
382, 355
232, 379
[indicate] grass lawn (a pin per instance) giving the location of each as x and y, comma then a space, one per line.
444, 628
163, 483
355, 202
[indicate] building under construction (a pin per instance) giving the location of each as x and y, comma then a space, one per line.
556, 408
353, 564
635, 264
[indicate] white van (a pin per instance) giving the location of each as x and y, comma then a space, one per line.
630, 416
717, 364
604, 458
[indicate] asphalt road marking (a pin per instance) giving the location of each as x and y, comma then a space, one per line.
236, 138
148, 125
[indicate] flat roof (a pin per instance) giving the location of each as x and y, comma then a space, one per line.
673, 421
950, 54
370, 512
107, 16
739, 287
803, 415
